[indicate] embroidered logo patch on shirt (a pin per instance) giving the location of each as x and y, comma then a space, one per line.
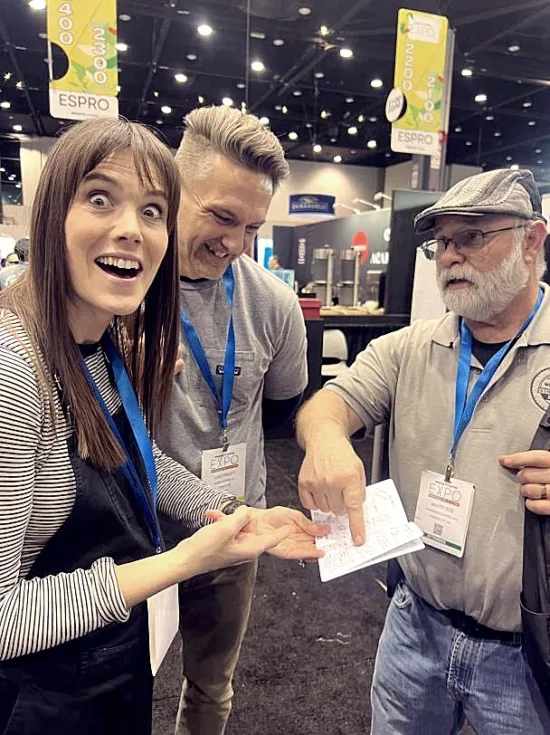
540, 388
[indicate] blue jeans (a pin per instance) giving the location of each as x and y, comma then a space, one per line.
430, 677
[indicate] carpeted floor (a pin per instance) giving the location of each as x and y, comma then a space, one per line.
307, 661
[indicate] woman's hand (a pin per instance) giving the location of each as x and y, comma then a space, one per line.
299, 542
232, 540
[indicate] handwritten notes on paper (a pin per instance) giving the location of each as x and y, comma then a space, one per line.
388, 534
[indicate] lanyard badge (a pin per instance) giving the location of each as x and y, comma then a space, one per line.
224, 396
465, 405
141, 436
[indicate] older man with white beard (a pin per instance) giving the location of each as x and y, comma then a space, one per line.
463, 397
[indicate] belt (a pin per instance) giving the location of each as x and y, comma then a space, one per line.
472, 628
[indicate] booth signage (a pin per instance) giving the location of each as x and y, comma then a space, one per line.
311, 204
86, 33
414, 105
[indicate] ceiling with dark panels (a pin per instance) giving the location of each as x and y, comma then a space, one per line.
307, 88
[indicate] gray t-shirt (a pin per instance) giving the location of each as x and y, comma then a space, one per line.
407, 378
271, 360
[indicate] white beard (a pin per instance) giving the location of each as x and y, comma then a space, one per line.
490, 292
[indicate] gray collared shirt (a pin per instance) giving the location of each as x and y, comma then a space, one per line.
407, 378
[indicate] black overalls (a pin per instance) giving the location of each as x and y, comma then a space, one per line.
101, 683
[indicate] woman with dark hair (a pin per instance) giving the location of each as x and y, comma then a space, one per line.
88, 343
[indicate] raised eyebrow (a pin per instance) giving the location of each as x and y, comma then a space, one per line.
97, 176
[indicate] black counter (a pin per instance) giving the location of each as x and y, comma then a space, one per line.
363, 328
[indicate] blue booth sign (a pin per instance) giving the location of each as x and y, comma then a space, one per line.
306, 205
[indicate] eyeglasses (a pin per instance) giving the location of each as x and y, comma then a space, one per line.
464, 242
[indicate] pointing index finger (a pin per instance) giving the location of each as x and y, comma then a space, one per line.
531, 458
357, 525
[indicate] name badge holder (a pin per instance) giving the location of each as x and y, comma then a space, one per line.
444, 503
162, 608
217, 470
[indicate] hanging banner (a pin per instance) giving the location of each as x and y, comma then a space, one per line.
414, 104
311, 205
86, 33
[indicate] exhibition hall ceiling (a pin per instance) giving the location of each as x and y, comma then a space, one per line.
318, 70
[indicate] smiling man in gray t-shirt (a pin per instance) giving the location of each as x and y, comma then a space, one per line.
230, 166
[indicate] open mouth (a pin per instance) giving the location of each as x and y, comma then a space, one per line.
455, 282
125, 268
219, 254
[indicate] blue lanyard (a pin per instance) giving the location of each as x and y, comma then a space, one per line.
141, 436
224, 396
465, 405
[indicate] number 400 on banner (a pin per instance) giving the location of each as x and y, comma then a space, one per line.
86, 33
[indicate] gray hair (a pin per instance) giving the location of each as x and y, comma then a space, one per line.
239, 136
520, 237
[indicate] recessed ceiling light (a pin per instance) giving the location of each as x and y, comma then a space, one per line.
333, 140
2, 170
180, 78
264, 120
18, 186
387, 155
297, 93
258, 35
192, 57
166, 109
346, 53
293, 136
7, 76
278, 42
337, 159
18, 128
532, 123
458, 129
353, 152
159, 122
241, 85
376, 83
317, 148
325, 114
37, 4
309, 125
514, 48
373, 119
480, 98
20, 85
227, 101
304, 11
125, 17
257, 65
372, 144
352, 130
539, 162
43, 35
467, 72
514, 167
284, 109
278, 108
527, 103
349, 100
498, 134
319, 75
538, 150
5, 105
205, 30
490, 118
122, 46
509, 158
155, 94
200, 99
324, 30
361, 118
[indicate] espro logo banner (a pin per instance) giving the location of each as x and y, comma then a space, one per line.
414, 105
86, 33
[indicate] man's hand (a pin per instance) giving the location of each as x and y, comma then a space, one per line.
299, 541
533, 474
332, 478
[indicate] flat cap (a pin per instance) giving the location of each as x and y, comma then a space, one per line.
503, 191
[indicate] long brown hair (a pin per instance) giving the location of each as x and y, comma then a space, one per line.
146, 340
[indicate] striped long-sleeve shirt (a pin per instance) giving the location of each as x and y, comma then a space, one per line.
37, 493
